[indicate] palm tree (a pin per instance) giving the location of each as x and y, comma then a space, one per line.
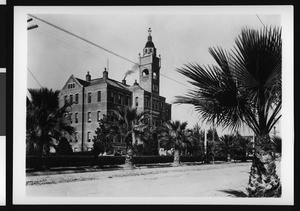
244, 87
173, 135
227, 145
46, 121
196, 140
242, 147
129, 126
150, 144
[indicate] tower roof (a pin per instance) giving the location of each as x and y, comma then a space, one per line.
149, 42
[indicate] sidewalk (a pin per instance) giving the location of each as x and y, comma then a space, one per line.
60, 175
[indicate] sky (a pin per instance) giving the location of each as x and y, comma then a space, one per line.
181, 36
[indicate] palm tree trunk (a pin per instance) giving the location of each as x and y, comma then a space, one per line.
45, 156
228, 157
129, 158
129, 153
263, 180
176, 161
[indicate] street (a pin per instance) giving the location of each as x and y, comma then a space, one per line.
185, 181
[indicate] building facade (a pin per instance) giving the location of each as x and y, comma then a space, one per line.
94, 98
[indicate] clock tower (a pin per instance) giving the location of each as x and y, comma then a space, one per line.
149, 67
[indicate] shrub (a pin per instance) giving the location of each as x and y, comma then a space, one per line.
152, 159
64, 147
191, 158
76, 160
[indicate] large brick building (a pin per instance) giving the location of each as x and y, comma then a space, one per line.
94, 98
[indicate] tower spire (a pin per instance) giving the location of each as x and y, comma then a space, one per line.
149, 30
149, 37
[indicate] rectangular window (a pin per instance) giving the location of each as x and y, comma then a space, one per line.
98, 116
112, 97
110, 116
147, 102
99, 96
89, 139
71, 98
76, 136
70, 116
127, 100
116, 98
120, 99
76, 98
89, 116
89, 97
136, 101
66, 99
76, 117
155, 87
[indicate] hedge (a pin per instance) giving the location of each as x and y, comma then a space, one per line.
152, 159
80, 160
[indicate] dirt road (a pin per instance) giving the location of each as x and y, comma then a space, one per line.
192, 181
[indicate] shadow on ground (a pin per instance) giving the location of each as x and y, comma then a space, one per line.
236, 193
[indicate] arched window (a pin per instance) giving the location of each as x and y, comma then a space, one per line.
154, 75
145, 72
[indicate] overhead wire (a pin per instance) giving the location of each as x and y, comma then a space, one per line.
76, 45
81, 38
34, 77
98, 46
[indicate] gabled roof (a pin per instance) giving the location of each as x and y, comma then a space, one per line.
97, 81
117, 84
82, 82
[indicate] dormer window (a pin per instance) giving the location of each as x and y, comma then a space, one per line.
71, 85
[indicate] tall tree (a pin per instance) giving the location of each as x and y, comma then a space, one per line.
196, 141
103, 137
46, 121
227, 145
173, 135
129, 125
244, 87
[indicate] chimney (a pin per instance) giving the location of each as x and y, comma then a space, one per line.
88, 77
124, 81
105, 74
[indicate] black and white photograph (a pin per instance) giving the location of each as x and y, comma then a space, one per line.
153, 105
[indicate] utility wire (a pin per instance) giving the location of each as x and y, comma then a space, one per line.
175, 80
261, 21
34, 77
83, 39
55, 36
